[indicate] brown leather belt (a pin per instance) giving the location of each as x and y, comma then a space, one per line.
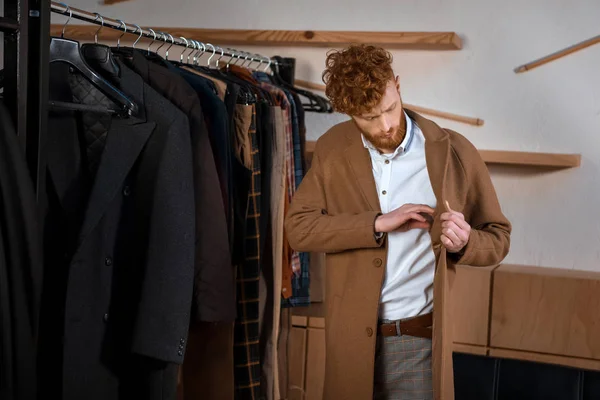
418, 326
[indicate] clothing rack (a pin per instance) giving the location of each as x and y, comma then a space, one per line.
134, 29
26, 24
26, 27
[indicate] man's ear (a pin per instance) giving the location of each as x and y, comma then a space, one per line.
398, 82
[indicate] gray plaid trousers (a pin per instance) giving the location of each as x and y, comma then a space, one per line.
403, 368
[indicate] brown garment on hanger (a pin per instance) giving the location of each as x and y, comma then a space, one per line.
208, 368
219, 84
242, 142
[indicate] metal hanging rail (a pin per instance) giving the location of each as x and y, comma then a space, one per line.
134, 29
26, 27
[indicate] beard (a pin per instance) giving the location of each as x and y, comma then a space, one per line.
386, 143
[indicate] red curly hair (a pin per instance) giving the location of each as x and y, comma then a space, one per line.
357, 78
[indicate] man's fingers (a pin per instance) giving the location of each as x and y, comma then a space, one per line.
456, 217
447, 242
422, 208
461, 233
419, 225
450, 234
417, 217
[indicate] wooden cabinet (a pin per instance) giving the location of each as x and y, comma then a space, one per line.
544, 315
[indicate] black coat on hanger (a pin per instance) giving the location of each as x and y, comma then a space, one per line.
119, 248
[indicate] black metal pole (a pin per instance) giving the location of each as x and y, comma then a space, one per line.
15, 65
37, 95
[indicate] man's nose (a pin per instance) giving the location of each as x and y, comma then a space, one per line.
385, 125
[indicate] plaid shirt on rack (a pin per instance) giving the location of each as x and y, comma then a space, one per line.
247, 371
301, 277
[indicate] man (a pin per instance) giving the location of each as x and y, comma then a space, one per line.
396, 202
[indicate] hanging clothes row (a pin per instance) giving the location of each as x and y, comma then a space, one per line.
163, 242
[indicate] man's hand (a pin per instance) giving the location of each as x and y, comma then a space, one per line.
455, 230
404, 218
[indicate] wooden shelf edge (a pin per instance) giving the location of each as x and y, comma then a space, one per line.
470, 349
515, 158
531, 159
574, 362
396, 40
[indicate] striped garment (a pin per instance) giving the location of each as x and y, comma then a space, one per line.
247, 369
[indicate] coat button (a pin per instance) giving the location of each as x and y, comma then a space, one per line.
105, 317
126, 191
181, 341
180, 353
108, 261
324, 212
384, 192
369, 332
377, 262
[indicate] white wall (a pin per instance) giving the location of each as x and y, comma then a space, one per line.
555, 108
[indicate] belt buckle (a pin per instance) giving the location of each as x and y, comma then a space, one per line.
398, 331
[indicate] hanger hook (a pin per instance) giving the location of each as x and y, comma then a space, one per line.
238, 56
124, 32
246, 58
233, 56
153, 39
193, 42
163, 37
213, 53
193, 52
187, 44
259, 60
67, 10
269, 64
201, 50
139, 37
172, 43
219, 59
230, 55
101, 26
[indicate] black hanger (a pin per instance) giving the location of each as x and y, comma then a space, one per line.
316, 103
68, 51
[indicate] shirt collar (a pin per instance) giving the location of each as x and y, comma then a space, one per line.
404, 146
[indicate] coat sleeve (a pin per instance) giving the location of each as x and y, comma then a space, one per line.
309, 226
166, 187
489, 241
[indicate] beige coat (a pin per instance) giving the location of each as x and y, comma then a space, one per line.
334, 210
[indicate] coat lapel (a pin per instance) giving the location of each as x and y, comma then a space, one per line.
124, 143
437, 150
359, 162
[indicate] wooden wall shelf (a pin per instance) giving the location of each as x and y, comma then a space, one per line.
530, 159
395, 40
515, 158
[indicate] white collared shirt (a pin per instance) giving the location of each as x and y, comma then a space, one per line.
401, 178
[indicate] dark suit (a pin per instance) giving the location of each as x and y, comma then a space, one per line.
215, 286
20, 269
119, 249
